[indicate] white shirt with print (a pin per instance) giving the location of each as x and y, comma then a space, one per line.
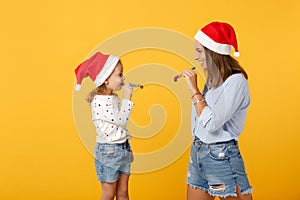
110, 116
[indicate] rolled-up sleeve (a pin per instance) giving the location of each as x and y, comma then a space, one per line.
229, 98
205, 116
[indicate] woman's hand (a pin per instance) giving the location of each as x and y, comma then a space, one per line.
191, 80
127, 91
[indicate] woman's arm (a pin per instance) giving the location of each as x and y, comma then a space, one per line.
197, 97
230, 98
227, 103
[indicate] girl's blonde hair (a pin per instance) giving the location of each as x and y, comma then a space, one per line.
97, 91
100, 90
220, 67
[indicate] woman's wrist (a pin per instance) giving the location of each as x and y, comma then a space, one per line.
199, 101
196, 95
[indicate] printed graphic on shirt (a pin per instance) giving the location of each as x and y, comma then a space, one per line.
110, 116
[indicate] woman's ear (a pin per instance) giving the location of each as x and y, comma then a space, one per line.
106, 82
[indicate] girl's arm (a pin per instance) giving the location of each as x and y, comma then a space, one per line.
126, 106
107, 116
124, 113
107, 110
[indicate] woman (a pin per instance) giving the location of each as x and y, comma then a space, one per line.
216, 167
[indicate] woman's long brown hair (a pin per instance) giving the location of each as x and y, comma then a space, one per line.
220, 67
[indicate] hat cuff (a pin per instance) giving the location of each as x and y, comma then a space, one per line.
108, 68
202, 38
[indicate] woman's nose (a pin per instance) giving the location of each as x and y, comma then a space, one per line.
196, 56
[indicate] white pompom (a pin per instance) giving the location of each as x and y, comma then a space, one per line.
236, 54
77, 87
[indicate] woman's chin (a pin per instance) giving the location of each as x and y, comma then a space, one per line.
204, 68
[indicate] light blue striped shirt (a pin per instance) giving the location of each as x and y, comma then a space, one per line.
224, 117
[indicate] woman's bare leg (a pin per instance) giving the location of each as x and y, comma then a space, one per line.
197, 194
240, 196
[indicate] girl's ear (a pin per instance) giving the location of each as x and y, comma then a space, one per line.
106, 82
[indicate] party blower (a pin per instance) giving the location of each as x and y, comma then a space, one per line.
135, 85
180, 75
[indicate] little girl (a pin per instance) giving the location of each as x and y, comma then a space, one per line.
113, 155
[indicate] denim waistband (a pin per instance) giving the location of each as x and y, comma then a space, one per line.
231, 142
123, 145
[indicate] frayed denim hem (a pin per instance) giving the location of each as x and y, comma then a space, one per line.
197, 187
248, 191
211, 194
223, 196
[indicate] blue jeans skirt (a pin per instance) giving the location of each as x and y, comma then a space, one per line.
112, 160
217, 169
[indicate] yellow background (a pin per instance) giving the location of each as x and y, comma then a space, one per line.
42, 156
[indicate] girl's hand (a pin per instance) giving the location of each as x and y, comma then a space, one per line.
191, 80
127, 91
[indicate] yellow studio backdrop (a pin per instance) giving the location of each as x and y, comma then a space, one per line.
43, 155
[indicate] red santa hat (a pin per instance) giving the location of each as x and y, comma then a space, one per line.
218, 37
98, 68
